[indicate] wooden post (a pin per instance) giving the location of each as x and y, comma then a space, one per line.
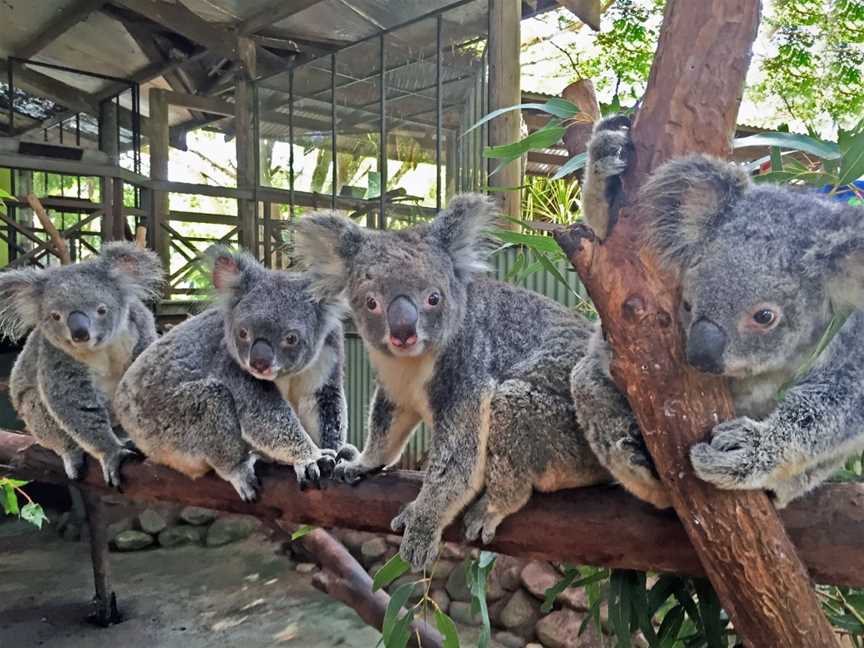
505, 90
159, 155
246, 142
690, 105
108, 144
105, 600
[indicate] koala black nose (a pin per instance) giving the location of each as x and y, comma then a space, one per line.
261, 356
705, 345
79, 326
402, 320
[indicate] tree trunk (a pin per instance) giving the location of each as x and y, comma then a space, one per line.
691, 105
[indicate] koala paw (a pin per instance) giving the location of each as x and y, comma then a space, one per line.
347, 452
112, 463
247, 486
736, 457
73, 464
481, 522
351, 471
420, 539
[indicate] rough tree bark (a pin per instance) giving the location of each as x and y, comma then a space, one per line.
691, 105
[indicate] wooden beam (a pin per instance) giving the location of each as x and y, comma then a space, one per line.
65, 20
246, 143
601, 526
209, 105
504, 91
273, 13
159, 156
60, 247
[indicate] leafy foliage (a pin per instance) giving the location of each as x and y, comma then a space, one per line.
10, 490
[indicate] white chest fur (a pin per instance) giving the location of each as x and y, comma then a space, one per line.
405, 380
299, 389
108, 364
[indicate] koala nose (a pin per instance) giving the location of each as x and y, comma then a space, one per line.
261, 356
402, 320
705, 345
79, 326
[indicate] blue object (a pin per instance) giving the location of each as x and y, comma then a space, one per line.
846, 194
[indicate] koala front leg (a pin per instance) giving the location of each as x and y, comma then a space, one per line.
609, 152
73, 400
454, 475
332, 412
388, 430
270, 425
49, 434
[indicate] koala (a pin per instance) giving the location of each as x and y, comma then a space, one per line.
766, 271
87, 323
483, 363
260, 371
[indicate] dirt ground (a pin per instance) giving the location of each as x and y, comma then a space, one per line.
241, 594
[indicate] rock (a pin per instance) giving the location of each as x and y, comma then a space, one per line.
508, 571
441, 598
394, 540
373, 551
197, 516
374, 569
533, 645
494, 590
353, 540
460, 612
442, 569
538, 576
180, 535
419, 587
132, 540
561, 630
115, 528
509, 640
306, 568
452, 551
457, 586
230, 529
152, 522
520, 613
495, 611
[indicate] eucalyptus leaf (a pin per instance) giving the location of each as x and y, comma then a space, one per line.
391, 570
556, 107
817, 147
447, 629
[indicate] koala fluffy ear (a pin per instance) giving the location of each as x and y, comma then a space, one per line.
20, 293
838, 252
462, 230
140, 268
683, 198
232, 272
326, 245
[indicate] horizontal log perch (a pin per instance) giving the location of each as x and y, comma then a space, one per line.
601, 526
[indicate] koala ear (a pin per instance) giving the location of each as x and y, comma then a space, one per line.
326, 245
838, 251
232, 272
461, 230
683, 198
140, 268
20, 293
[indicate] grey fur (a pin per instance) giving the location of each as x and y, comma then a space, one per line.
192, 401
488, 372
743, 249
60, 388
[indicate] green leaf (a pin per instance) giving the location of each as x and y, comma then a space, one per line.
619, 613
661, 591
710, 610
306, 529
391, 570
817, 147
552, 593
542, 138
34, 514
570, 166
667, 635
10, 500
401, 631
536, 242
478, 571
15, 483
852, 167
447, 629
391, 614
556, 107
552, 269
846, 622
776, 159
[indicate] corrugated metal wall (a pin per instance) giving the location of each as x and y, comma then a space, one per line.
360, 379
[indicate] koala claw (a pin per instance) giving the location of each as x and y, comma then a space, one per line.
310, 473
351, 472
73, 464
733, 459
347, 452
327, 462
111, 466
480, 523
420, 539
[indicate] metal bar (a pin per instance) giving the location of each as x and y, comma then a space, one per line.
268, 235
333, 151
382, 143
60, 126
439, 109
291, 143
78, 140
10, 79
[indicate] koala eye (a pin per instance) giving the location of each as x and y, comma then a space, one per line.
764, 317
243, 334
433, 299
292, 339
55, 316
101, 309
371, 304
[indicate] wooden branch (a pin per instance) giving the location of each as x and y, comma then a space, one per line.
345, 580
59, 245
690, 105
594, 526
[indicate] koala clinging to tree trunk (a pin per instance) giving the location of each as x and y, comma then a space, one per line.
89, 323
767, 272
483, 363
260, 371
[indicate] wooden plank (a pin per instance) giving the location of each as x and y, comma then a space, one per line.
210, 105
159, 155
274, 12
200, 189
69, 167
601, 526
246, 144
65, 20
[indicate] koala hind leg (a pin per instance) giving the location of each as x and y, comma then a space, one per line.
49, 434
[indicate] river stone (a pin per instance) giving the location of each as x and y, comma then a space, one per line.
460, 612
306, 568
520, 613
509, 640
538, 576
180, 535
457, 585
230, 529
197, 516
373, 551
561, 630
115, 528
132, 540
151, 522
441, 597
